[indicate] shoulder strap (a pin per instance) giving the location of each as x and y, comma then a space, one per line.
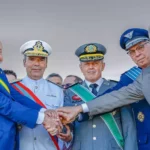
133, 73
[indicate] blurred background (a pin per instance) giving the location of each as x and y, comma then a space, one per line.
66, 25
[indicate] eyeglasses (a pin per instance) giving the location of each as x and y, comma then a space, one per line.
140, 49
65, 86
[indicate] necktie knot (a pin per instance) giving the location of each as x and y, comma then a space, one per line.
93, 87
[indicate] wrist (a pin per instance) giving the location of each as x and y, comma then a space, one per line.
79, 109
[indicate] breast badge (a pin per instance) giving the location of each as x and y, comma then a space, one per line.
140, 116
76, 98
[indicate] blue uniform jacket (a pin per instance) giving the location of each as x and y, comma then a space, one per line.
14, 108
141, 112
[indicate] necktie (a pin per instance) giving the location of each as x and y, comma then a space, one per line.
94, 86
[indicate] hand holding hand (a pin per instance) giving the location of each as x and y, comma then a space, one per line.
67, 137
52, 113
69, 114
52, 122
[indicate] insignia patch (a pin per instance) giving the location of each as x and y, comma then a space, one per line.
140, 116
90, 49
38, 46
129, 35
76, 98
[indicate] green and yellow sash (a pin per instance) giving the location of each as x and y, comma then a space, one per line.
108, 118
3, 84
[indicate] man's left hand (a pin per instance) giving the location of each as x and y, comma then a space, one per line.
67, 137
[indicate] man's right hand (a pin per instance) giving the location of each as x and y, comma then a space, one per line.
52, 122
69, 114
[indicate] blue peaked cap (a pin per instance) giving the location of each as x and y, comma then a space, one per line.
133, 36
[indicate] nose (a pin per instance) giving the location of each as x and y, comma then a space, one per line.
137, 53
36, 63
90, 65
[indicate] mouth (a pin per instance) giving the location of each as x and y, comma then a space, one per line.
91, 72
36, 70
140, 60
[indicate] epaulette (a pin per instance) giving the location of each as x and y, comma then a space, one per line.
133, 73
15, 81
113, 81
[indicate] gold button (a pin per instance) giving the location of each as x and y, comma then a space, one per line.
114, 112
94, 138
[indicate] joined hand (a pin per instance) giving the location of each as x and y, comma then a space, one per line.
52, 122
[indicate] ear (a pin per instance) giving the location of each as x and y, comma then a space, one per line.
46, 62
103, 66
24, 62
80, 65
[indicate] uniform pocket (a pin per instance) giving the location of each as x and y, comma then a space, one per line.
142, 139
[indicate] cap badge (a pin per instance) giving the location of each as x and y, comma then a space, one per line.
38, 46
140, 116
129, 35
90, 49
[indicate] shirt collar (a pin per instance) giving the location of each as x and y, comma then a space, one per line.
98, 82
33, 82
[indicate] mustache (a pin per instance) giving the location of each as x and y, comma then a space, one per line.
91, 71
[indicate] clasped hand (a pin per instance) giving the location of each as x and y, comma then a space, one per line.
55, 119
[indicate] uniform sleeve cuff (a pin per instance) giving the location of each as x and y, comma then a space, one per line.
85, 108
40, 119
43, 109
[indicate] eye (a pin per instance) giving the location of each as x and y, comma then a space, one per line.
131, 52
140, 47
31, 58
42, 59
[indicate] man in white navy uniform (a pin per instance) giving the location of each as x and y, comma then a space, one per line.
35, 61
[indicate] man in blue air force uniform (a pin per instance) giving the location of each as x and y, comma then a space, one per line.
15, 108
35, 61
94, 134
141, 109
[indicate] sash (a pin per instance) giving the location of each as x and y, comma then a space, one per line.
108, 118
22, 89
2, 83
